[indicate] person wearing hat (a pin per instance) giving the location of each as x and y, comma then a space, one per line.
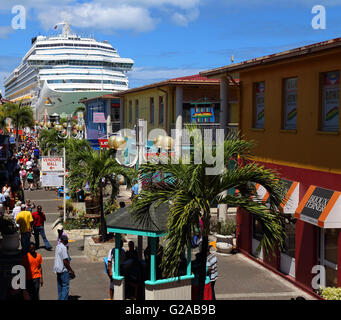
62, 268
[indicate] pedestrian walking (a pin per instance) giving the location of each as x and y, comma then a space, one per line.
24, 220
23, 174
134, 191
39, 219
36, 177
63, 269
32, 262
16, 210
30, 179
111, 261
6, 191
212, 269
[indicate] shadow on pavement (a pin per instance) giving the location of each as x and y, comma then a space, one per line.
74, 297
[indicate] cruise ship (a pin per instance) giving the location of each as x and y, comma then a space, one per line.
60, 70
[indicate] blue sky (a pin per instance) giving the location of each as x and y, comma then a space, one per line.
172, 38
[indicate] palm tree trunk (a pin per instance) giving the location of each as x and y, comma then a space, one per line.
103, 228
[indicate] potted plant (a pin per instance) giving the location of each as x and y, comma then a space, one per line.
225, 236
10, 235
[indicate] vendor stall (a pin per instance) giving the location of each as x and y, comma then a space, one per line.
153, 227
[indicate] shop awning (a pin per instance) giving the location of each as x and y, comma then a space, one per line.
321, 207
291, 194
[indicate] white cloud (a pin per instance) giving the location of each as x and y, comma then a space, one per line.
5, 31
96, 16
146, 75
183, 19
135, 15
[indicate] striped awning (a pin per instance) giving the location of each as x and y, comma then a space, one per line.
291, 195
320, 207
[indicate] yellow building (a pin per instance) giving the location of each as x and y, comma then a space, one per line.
171, 104
290, 106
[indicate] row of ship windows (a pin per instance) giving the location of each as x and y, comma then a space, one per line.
81, 89
87, 81
84, 74
78, 54
72, 45
13, 88
80, 63
21, 80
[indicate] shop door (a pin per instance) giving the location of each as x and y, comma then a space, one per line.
328, 250
287, 265
257, 234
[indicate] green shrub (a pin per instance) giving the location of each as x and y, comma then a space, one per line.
227, 228
330, 293
80, 222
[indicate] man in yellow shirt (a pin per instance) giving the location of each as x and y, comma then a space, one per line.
24, 220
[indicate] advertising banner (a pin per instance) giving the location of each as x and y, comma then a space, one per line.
103, 143
290, 106
51, 179
331, 101
259, 104
99, 117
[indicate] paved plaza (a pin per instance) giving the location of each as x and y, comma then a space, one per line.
239, 277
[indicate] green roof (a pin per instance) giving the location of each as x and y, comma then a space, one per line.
154, 220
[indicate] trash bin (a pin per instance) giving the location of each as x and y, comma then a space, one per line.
80, 195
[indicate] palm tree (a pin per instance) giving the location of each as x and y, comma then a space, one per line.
22, 116
191, 192
90, 166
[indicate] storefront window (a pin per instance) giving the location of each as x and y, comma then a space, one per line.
331, 277
330, 244
257, 231
290, 231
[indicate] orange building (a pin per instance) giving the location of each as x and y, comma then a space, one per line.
290, 106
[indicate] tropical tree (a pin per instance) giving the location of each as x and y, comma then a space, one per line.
22, 116
90, 166
191, 192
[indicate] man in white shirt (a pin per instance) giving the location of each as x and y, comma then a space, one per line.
16, 210
29, 164
111, 261
63, 269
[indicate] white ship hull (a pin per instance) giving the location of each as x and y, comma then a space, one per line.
58, 71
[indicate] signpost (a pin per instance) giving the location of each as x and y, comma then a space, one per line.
53, 174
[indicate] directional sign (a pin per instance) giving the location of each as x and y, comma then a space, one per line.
52, 164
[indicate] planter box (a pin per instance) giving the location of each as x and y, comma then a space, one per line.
96, 251
224, 244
